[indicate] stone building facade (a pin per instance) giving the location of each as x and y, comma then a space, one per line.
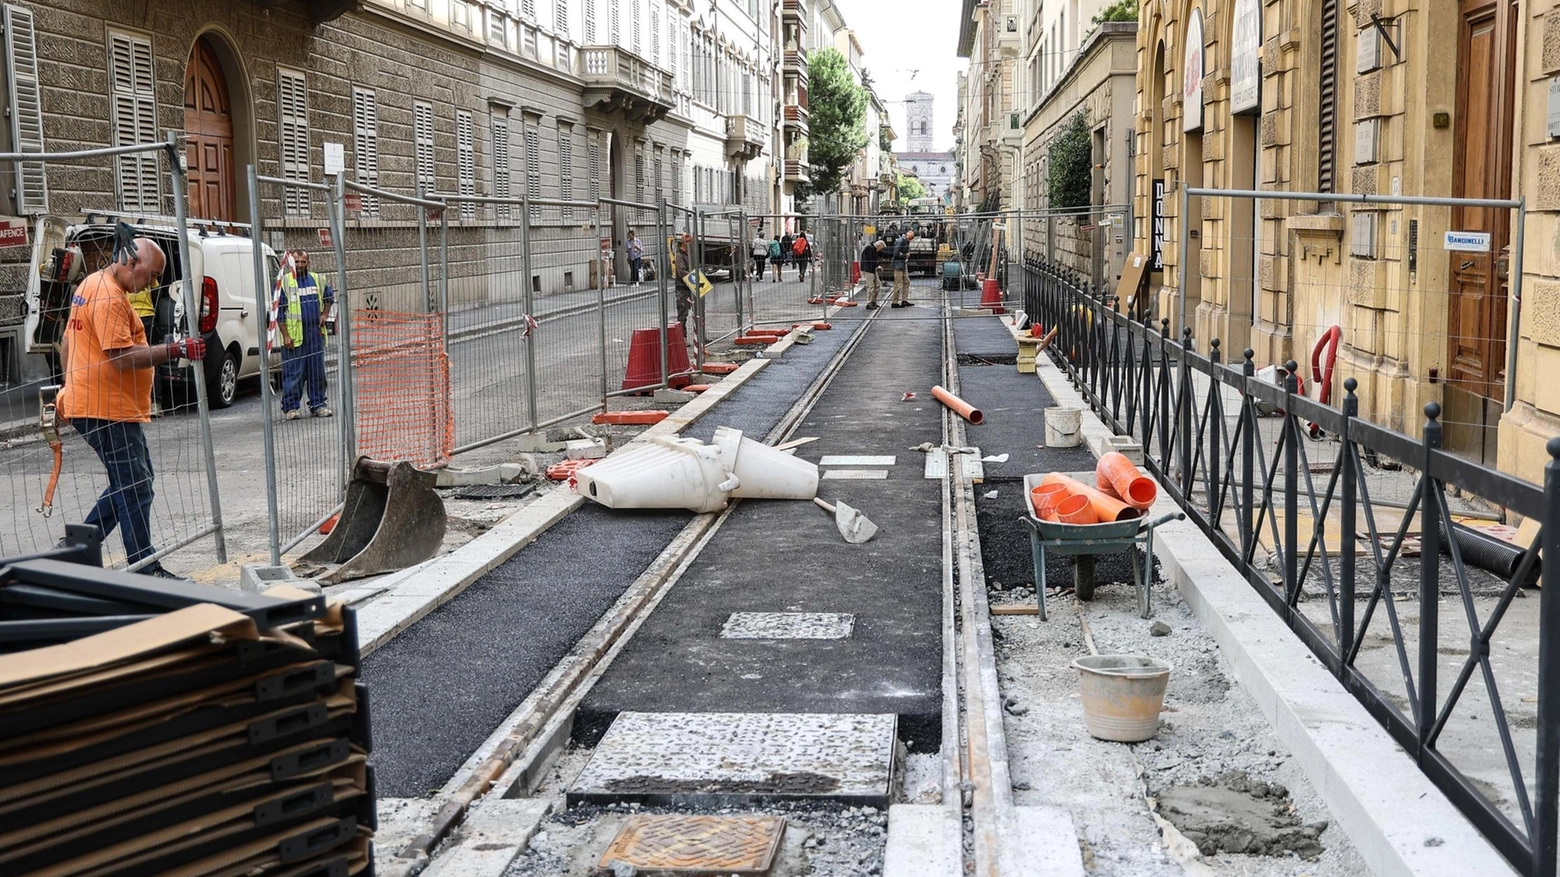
1099, 82
636, 100
1355, 98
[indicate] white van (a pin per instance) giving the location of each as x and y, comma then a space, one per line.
222, 263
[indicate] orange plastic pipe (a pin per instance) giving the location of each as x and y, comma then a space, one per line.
1104, 485
1130, 484
1045, 497
960, 407
1076, 509
1105, 508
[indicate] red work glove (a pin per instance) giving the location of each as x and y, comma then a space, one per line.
193, 348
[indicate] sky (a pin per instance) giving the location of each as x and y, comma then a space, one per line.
911, 45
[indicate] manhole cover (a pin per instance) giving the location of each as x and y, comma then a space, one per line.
728, 844
493, 491
788, 625
723, 758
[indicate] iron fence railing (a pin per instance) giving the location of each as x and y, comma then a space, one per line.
1303, 529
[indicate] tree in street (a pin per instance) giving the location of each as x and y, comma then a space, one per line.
910, 188
837, 106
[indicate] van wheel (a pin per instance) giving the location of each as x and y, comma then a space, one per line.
222, 388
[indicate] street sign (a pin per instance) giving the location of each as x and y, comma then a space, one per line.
871, 229
325, 240
697, 282
335, 158
13, 232
354, 201
1468, 241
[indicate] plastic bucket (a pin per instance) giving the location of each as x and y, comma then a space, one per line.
1063, 427
763, 472
672, 473
1122, 695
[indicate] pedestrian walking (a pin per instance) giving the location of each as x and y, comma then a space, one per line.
685, 266
901, 263
801, 248
787, 242
776, 256
108, 391
871, 255
302, 308
760, 253
634, 249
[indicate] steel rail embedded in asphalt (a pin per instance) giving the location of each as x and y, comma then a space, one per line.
571, 678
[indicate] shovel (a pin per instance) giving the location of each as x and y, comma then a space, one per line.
853, 525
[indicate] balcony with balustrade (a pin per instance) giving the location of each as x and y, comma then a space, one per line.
794, 10
618, 81
744, 137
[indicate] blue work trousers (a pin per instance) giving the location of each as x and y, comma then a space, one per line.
303, 364
127, 501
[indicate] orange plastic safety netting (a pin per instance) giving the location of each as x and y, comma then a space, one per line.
402, 383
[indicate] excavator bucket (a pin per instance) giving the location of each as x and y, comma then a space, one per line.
392, 519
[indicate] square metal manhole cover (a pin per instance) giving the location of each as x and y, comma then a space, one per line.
699, 844
788, 625
719, 758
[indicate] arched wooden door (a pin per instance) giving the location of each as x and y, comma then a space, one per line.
208, 126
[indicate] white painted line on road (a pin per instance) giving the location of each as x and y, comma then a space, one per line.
856, 460
856, 475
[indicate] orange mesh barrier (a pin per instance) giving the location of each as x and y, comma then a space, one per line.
402, 382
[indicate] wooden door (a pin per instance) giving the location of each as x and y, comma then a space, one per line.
1481, 168
208, 127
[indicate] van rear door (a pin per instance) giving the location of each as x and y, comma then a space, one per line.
47, 303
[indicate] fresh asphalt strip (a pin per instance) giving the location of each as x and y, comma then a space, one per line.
787, 557
442, 686
1014, 405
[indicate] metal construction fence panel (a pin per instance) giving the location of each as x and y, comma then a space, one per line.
127, 451
1416, 613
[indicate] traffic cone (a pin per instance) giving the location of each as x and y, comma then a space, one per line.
644, 358
991, 296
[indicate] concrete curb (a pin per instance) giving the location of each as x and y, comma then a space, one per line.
399, 600
1400, 822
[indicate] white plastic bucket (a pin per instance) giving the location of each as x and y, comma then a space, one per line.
1063, 427
672, 473
763, 472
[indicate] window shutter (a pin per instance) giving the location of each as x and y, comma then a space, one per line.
466, 159
292, 102
590, 22
528, 10
501, 165
26, 104
1327, 101
594, 170
561, 18
422, 134
617, 29
566, 168
533, 164
135, 120
655, 32
365, 146
633, 19
660, 190
671, 47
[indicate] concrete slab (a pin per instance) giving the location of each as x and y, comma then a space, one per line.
780, 556
1048, 845
1399, 821
788, 625
720, 759
491, 837
923, 841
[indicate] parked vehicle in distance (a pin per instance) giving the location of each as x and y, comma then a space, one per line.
221, 266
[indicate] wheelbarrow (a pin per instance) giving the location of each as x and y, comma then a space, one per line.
1084, 541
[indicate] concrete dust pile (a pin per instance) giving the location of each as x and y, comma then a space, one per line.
1236, 814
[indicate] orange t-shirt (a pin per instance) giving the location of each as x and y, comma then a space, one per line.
102, 319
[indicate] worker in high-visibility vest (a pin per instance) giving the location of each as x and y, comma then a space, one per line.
302, 309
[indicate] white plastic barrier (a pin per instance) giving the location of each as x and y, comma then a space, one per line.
763, 472
672, 473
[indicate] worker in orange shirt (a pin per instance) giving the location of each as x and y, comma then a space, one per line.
108, 391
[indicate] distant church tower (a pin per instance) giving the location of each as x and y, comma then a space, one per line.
918, 115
